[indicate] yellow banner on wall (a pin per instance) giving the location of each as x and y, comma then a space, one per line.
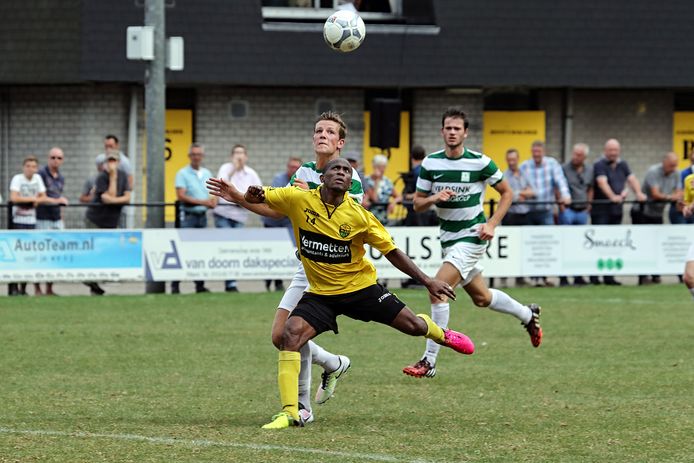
178, 138
683, 136
503, 130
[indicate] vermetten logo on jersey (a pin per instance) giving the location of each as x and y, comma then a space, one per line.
321, 248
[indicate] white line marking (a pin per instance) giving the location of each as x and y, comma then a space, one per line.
208, 443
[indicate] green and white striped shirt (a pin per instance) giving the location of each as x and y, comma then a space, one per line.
467, 175
309, 174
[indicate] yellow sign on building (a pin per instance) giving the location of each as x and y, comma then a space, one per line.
503, 130
683, 136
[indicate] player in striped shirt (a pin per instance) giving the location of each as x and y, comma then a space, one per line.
328, 140
454, 180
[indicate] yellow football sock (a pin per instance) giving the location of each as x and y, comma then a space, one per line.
434, 331
288, 379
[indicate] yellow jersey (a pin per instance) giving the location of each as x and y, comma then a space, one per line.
331, 239
689, 189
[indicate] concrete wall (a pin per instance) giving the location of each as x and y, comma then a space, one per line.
280, 121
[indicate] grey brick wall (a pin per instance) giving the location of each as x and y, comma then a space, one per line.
74, 118
279, 125
429, 105
551, 101
640, 120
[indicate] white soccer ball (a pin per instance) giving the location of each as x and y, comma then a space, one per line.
344, 31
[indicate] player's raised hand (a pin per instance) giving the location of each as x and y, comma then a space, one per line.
440, 289
301, 184
222, 189
255, 194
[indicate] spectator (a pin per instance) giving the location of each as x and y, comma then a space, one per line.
675, 214
416, 219
26, 192
231, 215
660, 185
111, 144
88, 187
380, 190
546, 179
281, 180
111, 192
49, 215
579, 176
522, 190
191, 191
611, 176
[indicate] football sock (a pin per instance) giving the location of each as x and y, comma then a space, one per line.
305, 377
434, 331
691, 290
502, 302
439, 314
288, 379
329, 361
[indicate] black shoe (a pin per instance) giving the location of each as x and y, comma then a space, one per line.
232, 289
95, 289
610, 281
595, 281
533, 326
202, 289
579, 281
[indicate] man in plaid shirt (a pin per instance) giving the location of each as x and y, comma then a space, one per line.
546, 178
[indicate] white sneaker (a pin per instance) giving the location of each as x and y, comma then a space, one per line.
305, 415
329, 380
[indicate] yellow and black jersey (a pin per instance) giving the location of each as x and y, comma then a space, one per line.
331, 239
689, 189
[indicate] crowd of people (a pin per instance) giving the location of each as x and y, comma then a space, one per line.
545, 192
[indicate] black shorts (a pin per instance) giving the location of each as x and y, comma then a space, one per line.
371, 304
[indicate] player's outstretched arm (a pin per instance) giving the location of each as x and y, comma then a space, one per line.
254, 195
227, 191
403, 263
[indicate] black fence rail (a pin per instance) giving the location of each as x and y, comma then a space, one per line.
135, 215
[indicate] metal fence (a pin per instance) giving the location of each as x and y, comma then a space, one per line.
135, 215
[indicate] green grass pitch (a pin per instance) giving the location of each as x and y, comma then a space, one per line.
192, 378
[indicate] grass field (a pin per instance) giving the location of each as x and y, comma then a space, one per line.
192, 378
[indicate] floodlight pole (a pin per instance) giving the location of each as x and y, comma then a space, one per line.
155, 106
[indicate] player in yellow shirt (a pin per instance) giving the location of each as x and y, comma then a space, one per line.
688, 211
331, 231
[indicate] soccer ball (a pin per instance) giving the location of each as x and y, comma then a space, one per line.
344, 31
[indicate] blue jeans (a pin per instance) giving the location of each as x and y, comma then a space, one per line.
224, 222
541, 217
572, 217
191, 221
677, 218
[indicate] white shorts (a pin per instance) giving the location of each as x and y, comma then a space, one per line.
295, 291
466, 258
690, 253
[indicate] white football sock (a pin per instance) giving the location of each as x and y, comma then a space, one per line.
502, 302
305, 377
329, 361
440, 313
691, 290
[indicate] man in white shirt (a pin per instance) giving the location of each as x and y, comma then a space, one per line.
231, 215
27, 191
